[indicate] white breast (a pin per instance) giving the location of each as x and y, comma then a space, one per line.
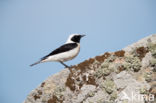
64, 56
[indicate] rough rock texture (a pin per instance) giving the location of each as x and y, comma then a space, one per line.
125, 76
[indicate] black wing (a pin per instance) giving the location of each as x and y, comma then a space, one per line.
63, 48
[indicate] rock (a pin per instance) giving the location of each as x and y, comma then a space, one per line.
125, 76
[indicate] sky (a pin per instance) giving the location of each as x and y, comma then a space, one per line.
30, 29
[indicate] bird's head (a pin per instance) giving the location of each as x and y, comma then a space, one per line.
74, 38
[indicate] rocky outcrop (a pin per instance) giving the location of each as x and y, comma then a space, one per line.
125, 76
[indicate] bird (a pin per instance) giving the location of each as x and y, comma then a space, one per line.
69, 50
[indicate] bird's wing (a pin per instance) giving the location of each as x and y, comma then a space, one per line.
61, 49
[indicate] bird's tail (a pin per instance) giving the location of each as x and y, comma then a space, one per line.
35, 63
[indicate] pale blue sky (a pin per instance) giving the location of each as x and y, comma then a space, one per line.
30, 29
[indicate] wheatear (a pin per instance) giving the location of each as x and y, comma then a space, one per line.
66, 52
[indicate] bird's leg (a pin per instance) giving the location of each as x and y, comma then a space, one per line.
64, 65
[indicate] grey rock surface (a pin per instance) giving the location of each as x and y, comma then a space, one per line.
125, 76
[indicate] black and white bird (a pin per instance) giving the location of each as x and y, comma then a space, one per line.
66, 52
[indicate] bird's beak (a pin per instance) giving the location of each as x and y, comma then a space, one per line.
83, 35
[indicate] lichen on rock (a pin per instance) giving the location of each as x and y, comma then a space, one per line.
104, 78
103, 70
109, 86
132, 63
148, 76
140, 52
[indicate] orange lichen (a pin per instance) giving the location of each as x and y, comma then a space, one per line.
42, 85
91, 61
91, 80
102, 57
70, 82
36, 97
141, 51
120, 53
53, 100
84, 65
